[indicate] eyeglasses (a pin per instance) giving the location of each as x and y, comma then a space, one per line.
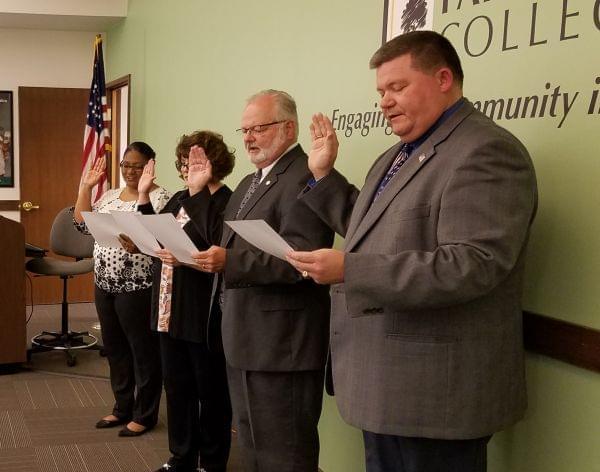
180, 164
258, 129
133, 167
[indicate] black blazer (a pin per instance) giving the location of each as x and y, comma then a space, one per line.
273, 320
190, 302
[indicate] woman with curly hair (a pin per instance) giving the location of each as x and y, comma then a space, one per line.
194, 375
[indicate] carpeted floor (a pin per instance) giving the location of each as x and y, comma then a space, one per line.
48, 411
47, 425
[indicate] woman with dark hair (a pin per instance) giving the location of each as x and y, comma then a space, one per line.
195, 380
123, 289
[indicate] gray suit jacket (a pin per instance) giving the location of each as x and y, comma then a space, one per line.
273, 320
426, 331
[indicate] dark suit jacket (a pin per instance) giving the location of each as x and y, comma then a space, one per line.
192, 289
426, 329
273, 320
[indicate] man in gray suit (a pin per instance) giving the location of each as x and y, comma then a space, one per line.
426, 334
275, 322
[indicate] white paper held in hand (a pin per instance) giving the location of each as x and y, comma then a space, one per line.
103, 228
136, 231
260, 234
167, 230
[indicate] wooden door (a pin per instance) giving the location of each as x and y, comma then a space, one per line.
51, 125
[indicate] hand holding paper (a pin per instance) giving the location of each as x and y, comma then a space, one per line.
324, 266
211, 260
171, 235
167, 258
128, 244
136, 232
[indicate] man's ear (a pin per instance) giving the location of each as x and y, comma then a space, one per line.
445, 79
290, 128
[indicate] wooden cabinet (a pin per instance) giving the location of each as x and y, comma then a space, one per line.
13, 343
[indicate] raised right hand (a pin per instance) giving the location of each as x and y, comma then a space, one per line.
94, 174
199, 170
324, 148
147, 178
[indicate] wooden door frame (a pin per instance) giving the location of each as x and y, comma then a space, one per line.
112, 90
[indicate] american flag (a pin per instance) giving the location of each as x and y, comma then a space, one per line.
96, 139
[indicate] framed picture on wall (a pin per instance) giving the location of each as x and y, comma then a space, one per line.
403, 16
7, 161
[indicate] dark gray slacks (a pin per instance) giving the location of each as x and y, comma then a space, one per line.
198, 407
132, 350
275, 415
388, 453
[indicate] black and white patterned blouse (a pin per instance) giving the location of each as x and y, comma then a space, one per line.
115, 270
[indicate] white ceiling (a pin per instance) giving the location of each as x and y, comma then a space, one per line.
64, 15
57, 22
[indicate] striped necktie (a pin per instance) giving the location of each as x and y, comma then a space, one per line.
401, 158
253, 186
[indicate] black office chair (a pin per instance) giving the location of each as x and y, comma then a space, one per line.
65, 240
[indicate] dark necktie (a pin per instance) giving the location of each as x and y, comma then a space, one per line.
401, 158
253, 186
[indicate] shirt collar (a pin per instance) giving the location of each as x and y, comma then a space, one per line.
266, 170
443, 117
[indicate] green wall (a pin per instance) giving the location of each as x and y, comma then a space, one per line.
194, 62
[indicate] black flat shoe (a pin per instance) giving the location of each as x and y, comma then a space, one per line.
129, 433
111, 423
177, 468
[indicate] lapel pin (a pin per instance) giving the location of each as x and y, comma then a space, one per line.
267, 182
422, 157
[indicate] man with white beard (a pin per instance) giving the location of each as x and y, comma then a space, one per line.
275, 323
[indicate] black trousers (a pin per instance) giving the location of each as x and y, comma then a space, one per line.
132, 351
388, 453
198, 406
276, 416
